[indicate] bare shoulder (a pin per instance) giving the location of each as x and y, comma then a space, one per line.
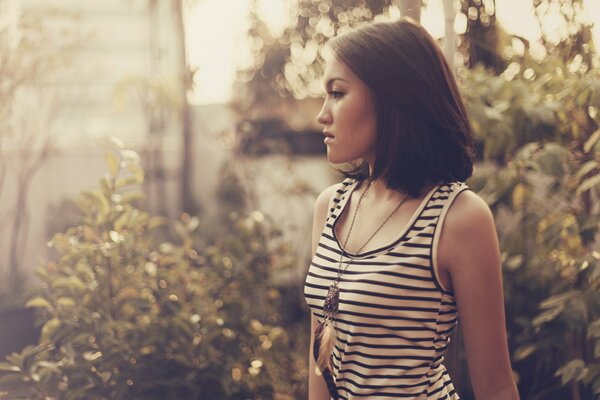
468, 213
469, 232
322, 202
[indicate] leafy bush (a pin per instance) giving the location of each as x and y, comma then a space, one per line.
538, 125
128, 314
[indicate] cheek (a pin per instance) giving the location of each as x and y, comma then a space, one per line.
363, 123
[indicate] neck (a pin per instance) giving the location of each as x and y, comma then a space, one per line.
380, 191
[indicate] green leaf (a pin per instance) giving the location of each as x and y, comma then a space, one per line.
155, 222
14, 380
15, 358
524, 351
593, 139
121, 221
586, 168
98, 199
137, 172
113, 164
7, 367
593, 371
132, 197
559, 299
127, 181
573, 370
130, 157
30, 355
117, 142
65, 302
548, 315
588, 184
53, 367
49, 329
69, 283
583, 96
514, 262
39, 302
594, 329
115, 236
106, 189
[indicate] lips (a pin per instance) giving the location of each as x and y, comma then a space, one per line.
328, 137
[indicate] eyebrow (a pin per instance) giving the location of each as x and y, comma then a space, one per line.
331, 80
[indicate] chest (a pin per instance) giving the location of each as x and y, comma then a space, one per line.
373, 226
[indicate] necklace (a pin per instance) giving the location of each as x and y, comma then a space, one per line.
331, 304
325, 333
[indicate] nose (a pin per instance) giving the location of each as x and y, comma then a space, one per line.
324, 116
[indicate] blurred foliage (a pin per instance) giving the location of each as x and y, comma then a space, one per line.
539, 127
129, 314
291, 65
576, 43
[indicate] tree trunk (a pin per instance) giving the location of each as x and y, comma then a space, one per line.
449, 44
411, 8
185, 112
15, 275
481, 36
155, 182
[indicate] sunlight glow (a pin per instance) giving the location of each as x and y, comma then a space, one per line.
216, 34
432, 18
214, 27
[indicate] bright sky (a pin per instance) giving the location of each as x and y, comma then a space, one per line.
217, 30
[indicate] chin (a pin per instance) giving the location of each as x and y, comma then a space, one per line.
342, 157
333, 158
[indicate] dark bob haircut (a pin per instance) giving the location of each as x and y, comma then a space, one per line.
423, 133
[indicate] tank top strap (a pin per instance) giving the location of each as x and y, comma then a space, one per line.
434, 208
442, 197
339, 198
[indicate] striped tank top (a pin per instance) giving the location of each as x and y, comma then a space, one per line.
394, 318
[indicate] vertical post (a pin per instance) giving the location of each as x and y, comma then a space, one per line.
449, 43
185, 112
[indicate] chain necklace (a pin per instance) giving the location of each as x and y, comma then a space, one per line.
333, 294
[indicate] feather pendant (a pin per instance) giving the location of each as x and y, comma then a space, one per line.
325, 336
324, 358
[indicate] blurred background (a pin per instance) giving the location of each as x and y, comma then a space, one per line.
159, 161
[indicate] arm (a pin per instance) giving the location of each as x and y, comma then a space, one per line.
317, 389
473, 264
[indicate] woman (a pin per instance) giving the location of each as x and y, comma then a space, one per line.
401, 247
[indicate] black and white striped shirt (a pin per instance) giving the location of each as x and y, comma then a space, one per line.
394, 318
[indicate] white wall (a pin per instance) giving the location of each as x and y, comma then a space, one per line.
78, 109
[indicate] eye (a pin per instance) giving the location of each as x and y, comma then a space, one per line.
336, 94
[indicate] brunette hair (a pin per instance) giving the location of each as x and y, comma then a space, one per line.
423, 133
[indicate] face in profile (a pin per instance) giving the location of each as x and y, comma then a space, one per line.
348, 115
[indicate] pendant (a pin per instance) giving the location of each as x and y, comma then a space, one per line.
332, 301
